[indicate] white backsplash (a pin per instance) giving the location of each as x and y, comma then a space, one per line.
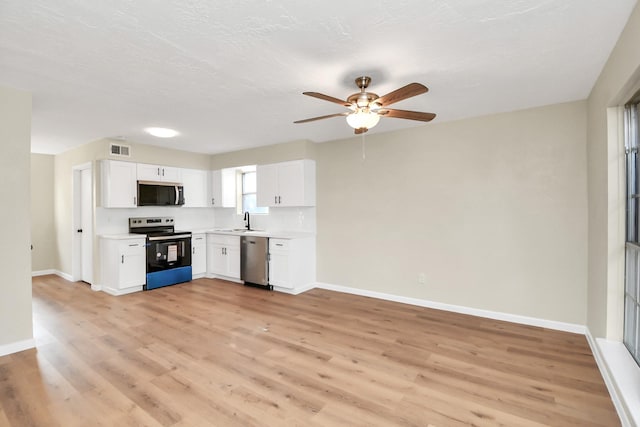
116, 221
278, 219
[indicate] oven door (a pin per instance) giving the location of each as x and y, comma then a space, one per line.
168, 252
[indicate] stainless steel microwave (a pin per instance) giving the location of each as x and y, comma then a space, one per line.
160, 194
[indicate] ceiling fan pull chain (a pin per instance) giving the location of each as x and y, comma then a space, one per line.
364, 154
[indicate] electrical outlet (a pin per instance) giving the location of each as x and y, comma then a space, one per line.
422, 278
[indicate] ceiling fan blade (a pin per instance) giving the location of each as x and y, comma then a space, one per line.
327, 98
403, 114
412, 89
346, 113
360, 130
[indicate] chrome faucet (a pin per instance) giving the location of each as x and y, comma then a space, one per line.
246, 219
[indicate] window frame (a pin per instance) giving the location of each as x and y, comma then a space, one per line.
631, 303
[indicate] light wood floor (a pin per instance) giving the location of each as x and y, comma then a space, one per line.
212, 353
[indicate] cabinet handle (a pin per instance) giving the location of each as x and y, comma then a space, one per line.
122, 262
275, 200
158, 171
213, 201
279, 201
193, 250
162, 171
132, 245
279, 244
135, 201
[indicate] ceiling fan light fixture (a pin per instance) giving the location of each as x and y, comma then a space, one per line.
363, 118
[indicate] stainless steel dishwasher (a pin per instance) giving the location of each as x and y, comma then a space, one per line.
254, 261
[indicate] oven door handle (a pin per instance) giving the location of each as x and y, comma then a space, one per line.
173, 237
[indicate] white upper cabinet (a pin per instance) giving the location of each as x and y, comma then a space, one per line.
159, 173
287, 184
119, 187
196, 188
223, 188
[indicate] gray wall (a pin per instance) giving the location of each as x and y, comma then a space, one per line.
43, 236
493, 211
15, 254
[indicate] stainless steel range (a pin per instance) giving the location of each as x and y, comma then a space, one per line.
168, 251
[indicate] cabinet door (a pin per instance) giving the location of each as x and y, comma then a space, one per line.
216, 260
196, 188
170, 174
279, 270
119, 188
223, 188
229, 188
199, 254
216, 188
148, 172
233, 262
267, 185
132, 265
291, 184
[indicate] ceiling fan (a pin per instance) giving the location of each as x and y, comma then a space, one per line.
366, 108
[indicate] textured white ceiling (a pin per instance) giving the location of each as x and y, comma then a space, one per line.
228, 74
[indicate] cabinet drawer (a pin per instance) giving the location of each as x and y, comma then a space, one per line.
224, 240
278, 245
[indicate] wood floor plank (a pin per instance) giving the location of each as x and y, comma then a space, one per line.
211, 352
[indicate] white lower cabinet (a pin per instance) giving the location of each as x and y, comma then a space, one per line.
292, 264
198, 255
223, 256
124, 264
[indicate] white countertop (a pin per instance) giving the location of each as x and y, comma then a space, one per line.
123, 236
280, 234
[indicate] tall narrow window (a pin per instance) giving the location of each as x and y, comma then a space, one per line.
632, 253
249, 196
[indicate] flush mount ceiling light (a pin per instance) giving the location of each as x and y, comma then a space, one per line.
161, 132
367, 107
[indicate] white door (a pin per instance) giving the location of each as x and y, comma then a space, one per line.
86, 225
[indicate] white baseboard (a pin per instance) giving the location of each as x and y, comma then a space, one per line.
15, 347
621, 374
59, 273
96, 288
295, 291
118, 292
514, 318
64, 275
42, 272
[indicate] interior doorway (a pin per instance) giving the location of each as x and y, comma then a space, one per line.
82, 223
